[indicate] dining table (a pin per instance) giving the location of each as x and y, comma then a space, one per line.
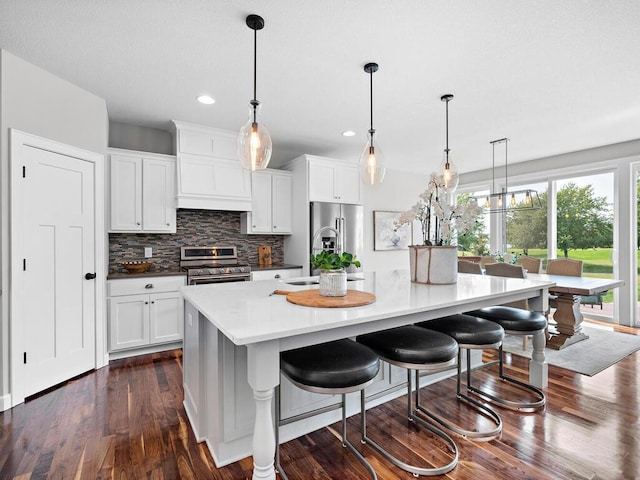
568, 290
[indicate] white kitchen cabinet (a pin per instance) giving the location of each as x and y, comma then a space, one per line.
209, 176
145, 311
271, 213
276, 274
333, 182
142, 188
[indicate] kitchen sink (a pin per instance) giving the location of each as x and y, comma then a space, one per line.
316, 282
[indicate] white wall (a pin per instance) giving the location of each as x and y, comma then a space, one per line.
398, 192
37, 102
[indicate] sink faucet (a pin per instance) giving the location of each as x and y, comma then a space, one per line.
324, 229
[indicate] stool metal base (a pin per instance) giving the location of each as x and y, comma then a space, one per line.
532, 406
473, 403
412, 417
345, 442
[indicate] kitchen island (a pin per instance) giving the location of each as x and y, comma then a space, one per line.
236, 331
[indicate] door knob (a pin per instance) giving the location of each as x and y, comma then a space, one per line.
90, 276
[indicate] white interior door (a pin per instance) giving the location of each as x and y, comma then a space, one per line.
55, 242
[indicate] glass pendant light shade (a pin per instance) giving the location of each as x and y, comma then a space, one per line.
372, 167
450, 175
254, 141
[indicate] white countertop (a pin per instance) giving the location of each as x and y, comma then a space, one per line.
245, 312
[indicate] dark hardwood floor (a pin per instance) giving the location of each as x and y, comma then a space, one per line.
126, 421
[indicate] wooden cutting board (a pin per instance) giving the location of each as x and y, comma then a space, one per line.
264, 256
312, 298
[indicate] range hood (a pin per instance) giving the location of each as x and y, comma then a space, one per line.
209, 176
212, 184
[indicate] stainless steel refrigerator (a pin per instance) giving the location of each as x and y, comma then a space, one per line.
334, 224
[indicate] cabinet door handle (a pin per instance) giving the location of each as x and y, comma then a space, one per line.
167, 224
146, 303
277, 275
137, 223
90, 276
153, 301
148, 285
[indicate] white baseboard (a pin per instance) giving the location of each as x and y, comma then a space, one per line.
145, 350
5, 402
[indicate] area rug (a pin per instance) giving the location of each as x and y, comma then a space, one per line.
603, 349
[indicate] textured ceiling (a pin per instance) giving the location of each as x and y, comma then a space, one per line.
553, 76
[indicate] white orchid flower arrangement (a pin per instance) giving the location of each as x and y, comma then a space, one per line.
439, 217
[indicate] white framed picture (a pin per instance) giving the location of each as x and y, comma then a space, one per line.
388, 236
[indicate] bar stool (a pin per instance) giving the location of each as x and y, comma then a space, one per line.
338, 367
417, 349
471, 333
515, 321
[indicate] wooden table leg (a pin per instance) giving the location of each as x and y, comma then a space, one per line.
569, 322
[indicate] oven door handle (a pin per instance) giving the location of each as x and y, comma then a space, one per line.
218, 279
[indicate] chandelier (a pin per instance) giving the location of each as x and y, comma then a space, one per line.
507, 200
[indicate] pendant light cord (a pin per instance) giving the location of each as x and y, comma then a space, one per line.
255, 74
371, 130
493, 168
447, 130
506, 166
255, 62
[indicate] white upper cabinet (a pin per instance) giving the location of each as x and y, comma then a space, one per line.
281, 196
142, 189
333, 181
271, 205
209, 174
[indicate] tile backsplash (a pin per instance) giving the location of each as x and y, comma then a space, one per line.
193, 228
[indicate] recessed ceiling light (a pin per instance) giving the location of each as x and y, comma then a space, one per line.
206, 99
348, 133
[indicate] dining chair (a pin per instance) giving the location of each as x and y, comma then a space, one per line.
515, 271
564, 266
469, 267
530, 264
484, 260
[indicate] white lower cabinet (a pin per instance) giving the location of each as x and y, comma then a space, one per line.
140, 318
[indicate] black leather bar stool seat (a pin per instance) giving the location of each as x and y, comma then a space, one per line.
338, 367
415, 349
334, 365
512, 319
471, 333
515, 321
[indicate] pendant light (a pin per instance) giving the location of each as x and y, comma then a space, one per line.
372, 169
254, 141
449, 171
505, 200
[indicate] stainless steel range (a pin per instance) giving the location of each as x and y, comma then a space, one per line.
213, 265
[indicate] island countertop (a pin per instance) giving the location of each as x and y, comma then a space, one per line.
246, 313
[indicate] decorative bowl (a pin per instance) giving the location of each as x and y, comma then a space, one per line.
136, 267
